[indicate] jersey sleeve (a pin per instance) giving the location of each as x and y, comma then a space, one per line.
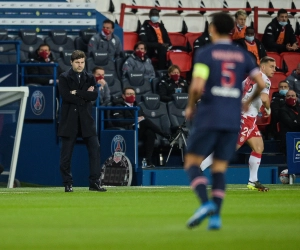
267, 81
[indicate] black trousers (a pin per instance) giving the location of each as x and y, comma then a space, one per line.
147, 131
93, 148
160, 52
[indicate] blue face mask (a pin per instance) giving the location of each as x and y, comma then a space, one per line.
283, 92
283, 23
154, 19
249, 38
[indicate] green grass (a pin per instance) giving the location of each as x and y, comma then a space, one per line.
146, 218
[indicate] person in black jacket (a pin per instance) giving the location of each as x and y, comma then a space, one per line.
42, 55
277, 102
171, 84
147, 129
201, 41
253, 45
289, 117
78, 89
279, 35
156, 37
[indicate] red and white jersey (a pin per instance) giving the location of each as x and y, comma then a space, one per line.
249, 87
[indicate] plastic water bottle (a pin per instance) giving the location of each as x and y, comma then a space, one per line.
144, 163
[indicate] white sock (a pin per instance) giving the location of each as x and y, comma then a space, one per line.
207, 162
254, 162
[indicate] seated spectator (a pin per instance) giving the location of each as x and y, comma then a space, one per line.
156, 37
253, 45
240, 25
106, 41
279, 35
171, 84
147, 129
201, 41
139, 61
42, 55
104, 91
294, 81
278, 100
289, 117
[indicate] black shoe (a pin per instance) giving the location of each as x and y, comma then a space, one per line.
68, 188
149, 165
97, 187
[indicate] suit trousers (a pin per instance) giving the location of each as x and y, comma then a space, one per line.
93, 148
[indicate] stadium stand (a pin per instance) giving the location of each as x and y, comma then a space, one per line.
176, 109
211, 4
148, 3
277, 58
234, 4
167, 3
130, 23
191, 37
130, 39
183, 60
81, 41
278, 76
290, 61
177, 39
7, 51
190, 4
99, 59
64, 61
113, 83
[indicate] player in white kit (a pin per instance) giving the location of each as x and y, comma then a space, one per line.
249, 132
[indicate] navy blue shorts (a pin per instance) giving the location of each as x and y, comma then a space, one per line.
203, 143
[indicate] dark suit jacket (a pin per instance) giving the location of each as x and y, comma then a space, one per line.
76, 108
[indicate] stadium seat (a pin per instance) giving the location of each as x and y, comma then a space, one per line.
195, 22
263, 21
99, 59
259, 4
7, 48
291, 61
81, 42
117, 5
177, 39
136, 80
109, 16
113, 83
191, 37
235, 4
278, 76
130, 23
103, 5
277, 58
130, 39
148, 3
278, 4
167, 3
190, 4
182, 59
212, 4
64, 61
176, 109
173, 22
156, 111
29, 43
58, 42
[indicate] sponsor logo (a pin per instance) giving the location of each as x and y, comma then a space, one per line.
59, 33
100, 54
37, 102
136, 75
298, 146
225, 92
29, 34
151, 98
118, 148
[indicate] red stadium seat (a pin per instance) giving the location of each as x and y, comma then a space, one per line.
291, 60
278, 76
277, 58
191, 37
177, 39
130, 39
182, 59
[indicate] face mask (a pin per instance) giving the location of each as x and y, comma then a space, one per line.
106, 32
43, 54
283, 23
283, 92
99, 78
139, 53
249, 38
130, 99
240, 26
154, 19
175, 77
290, 101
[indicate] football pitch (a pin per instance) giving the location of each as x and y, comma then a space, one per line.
146, 218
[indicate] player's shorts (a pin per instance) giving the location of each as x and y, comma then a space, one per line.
248, 129
221, 142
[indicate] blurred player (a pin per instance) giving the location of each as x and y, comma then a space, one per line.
220, 68
249, 132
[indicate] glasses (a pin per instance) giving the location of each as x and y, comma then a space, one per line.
130, 94
290, 95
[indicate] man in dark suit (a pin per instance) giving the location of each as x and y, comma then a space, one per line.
77, 90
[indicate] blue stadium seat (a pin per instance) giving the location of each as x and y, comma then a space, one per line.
81, 42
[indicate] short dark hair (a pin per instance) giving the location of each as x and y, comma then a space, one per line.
283, 81
223, 23
281, 11
43, 45
97, 68
249, 28
266, 59
77, 54
125, 89
109, 21
139, 43
153, 10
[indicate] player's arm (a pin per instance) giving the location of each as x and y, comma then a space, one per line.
200, 75
266, 102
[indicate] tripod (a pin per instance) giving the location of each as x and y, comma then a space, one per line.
180, 139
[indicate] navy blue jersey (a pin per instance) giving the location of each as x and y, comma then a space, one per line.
220, 106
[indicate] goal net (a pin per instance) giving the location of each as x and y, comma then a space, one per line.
12, 110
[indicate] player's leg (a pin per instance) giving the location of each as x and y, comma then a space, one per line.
257, 145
